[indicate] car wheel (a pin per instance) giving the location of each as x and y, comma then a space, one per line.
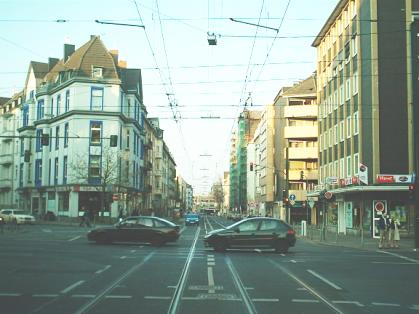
281, 247
220, 247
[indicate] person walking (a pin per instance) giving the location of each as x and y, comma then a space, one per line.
396, 233
383, 228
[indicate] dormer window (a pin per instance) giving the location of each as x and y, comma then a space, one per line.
97, 72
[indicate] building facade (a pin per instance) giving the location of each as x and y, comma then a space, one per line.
364, 90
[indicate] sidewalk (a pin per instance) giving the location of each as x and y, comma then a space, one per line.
366, 242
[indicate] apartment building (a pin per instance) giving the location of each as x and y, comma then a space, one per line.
71, 109
296, 149
364, 90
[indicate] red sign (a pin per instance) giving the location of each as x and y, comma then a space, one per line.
379, 206
383, 178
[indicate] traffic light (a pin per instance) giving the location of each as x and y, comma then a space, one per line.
251, 166
27, 156
285, 199
412, 191
113, 141
301, 175
45, 139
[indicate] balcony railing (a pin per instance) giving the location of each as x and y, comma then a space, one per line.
5, 183
6, 159
303, 153
309, 175
301, 111
300, 132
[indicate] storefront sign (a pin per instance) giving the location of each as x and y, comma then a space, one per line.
394, 178
363, 174
332, 180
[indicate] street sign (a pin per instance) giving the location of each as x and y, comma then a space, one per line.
328, 195
292, 202
292, 197
311, 203
379, 206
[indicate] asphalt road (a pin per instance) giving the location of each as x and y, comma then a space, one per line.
53, 269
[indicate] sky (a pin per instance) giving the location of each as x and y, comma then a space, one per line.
196, 89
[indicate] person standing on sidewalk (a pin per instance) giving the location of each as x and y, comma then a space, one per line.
395, 234
383, 228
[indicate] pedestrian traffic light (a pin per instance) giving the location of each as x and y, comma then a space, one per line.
27, 156
251, 166
45, 139
412, 191
285, 199
113, 141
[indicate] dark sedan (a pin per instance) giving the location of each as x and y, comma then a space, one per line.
154, 230
260, 232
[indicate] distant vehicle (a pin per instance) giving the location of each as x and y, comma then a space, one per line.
17, 216
154, 230
259, 232
210, 211
191, 219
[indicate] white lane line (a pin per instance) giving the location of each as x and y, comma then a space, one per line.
282, 254
324, 279
118, 297
211, 284
83, 296
103, 269
414, 307
123, 257
265, 300
155, 297
210, 256
258, 250
210, 259
171, 287
400, 256
75, 238
10, 294
74, 285
349, 302
395, 263
211, 264
293, 261
385, 304
133, 251
45, 295
46, 230
181, 230
302, 289
305, 301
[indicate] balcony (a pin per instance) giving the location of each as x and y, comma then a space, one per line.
302, 111
310, 175
5, 183
6, 159
303, 153
300, 132
158, 155
9, 135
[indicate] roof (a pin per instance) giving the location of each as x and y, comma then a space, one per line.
341, 4
3, 100
40, 69
131, 80
308, 86
92, 53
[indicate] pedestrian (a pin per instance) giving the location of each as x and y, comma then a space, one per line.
395, 224
85, 217
120, 214
383, 228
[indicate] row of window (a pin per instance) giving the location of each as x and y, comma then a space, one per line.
342, 168
338, 132
38, 142
38, 172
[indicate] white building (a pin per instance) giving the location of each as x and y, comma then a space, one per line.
83, 100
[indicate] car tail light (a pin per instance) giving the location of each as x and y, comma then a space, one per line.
291, 232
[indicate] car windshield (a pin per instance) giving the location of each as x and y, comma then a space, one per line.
192, 216
20, 212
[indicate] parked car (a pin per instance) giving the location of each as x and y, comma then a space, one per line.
192, 219
259, 232
154, 230
17, 216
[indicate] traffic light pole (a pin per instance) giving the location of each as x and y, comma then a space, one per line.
415, 105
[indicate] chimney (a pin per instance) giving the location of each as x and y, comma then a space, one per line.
51, 63
68, 51
122, 64
114, 54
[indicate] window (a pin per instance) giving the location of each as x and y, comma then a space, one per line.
342, 130
348, 89
40, 109
49, 172
58, 104
356, 163
356, 123
57, 137
341, 95
342, 168
348, 166
25, 115
67, 100
21, 175
94, 166
97, 72
38, 144
22, 147
355, 83
66, 134
65, 170
348, 127
56, 171
336, 130
51, 112
330, 137
354, 45
95, 132
50, 139
127, 137
38, 172
96, 101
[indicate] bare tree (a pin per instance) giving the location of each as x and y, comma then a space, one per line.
102, 177
218, 193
